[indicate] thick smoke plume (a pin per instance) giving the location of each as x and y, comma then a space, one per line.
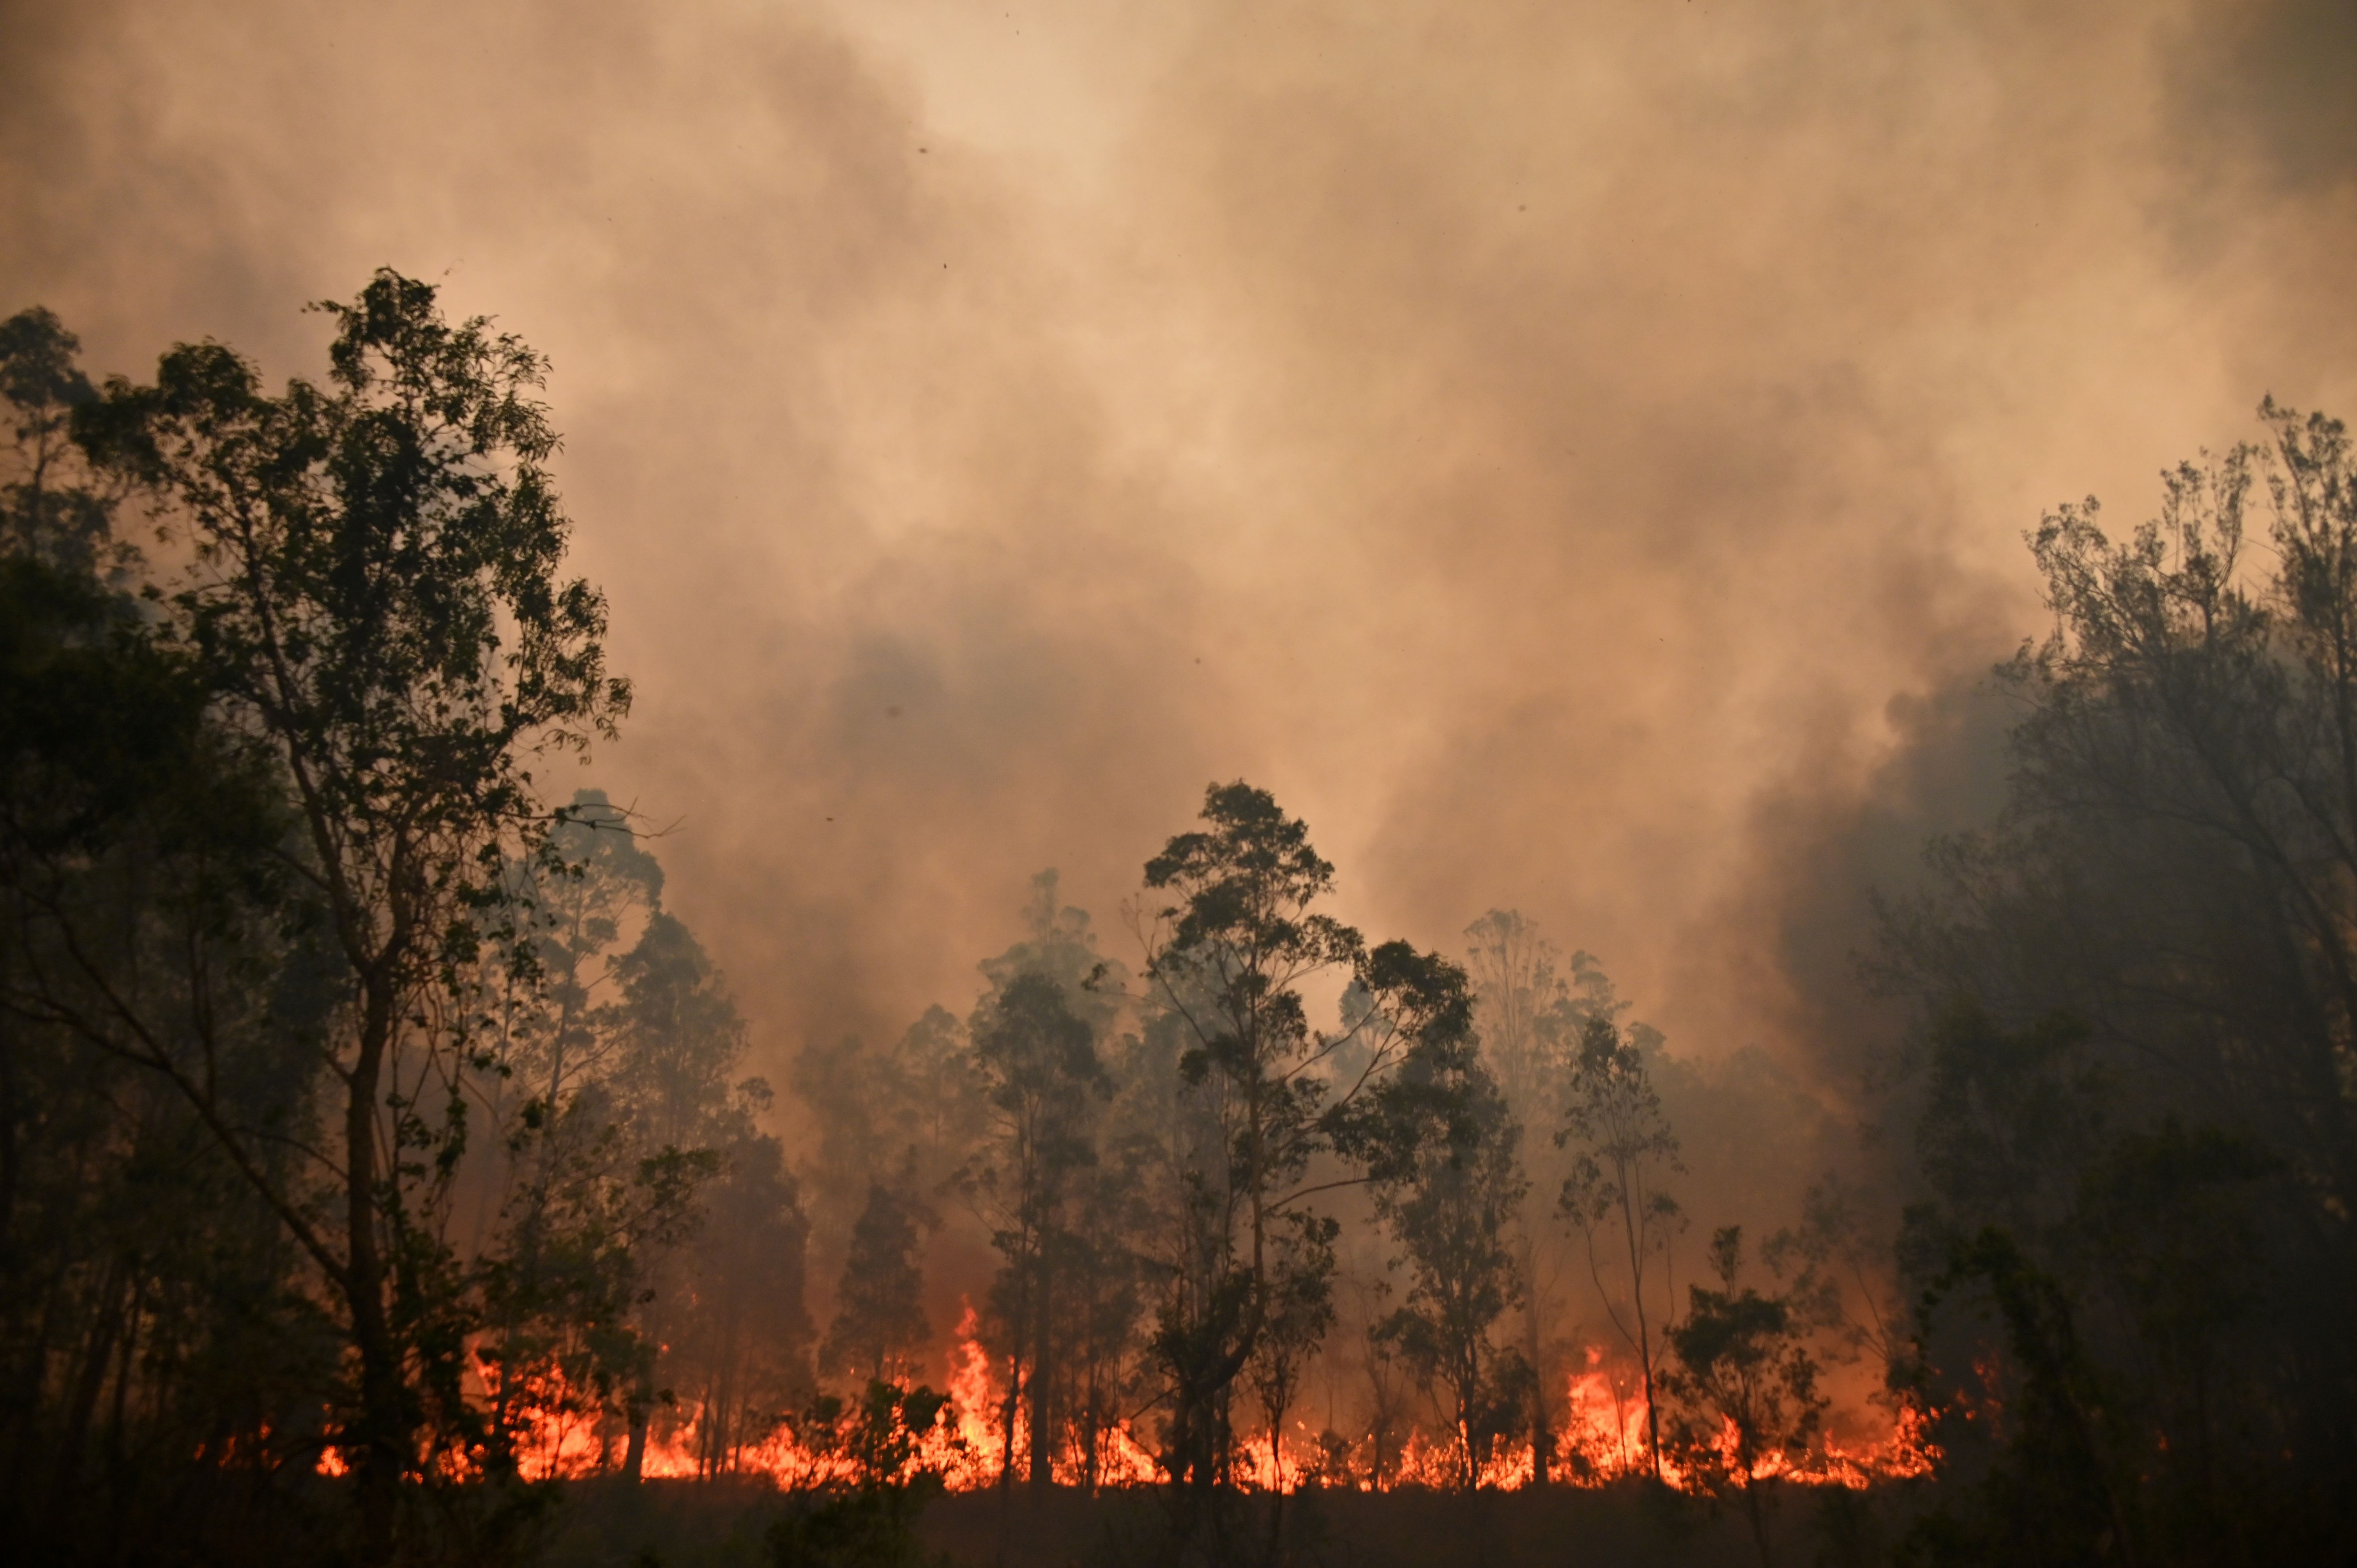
1575, 456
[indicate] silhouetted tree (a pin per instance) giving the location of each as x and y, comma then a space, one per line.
370, 599
1745, 1390
1530, 1006
879, 1333
1041, 1076
1452, 1214
154, 1336
736, 1328
1613, 1115
1226, 960
54, 509
2139, 998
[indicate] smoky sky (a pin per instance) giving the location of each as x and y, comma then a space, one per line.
1576, 455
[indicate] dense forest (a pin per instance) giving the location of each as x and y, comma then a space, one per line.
382, 1178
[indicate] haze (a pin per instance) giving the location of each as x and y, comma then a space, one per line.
1575, 457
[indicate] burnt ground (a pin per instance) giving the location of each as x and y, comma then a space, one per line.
722, 1524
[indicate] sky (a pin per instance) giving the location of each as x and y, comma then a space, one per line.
1576, 455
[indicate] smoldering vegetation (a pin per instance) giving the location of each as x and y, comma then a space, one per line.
1660, 1041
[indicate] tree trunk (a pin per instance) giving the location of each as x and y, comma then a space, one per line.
634, 1454
1541, 1433
384, 1424
1043, 1447
1756, 1506
91, 1380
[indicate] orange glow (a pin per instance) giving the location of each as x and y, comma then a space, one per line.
560, 1436
1607, 1429
977, 1400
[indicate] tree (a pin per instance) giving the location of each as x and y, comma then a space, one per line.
1613, 1116
1225, 960
1746, 1389
1530, 1007
679, 1043
879, 1324
2158, 930
152, 1321
1452, 1213
1063, 1132
2051, 1497
2132, 1275
570, 1242
53, 508
371, 597
737, 1331
1041, 1076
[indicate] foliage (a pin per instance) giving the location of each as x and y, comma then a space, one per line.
2141, 1004
1042, 1078
879, 1330
1452, 1217
1613, 1115
1226, 960
868, 1520
286, 920
1531, 1005
1745, 1388
54, 509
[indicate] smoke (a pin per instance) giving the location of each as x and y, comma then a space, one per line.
1575, 456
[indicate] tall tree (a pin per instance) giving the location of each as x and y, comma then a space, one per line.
2142, 980
879, 1330
568, 1242
735, 1331
372, 595
1452, 1214
1041, 1076
1612, 1116
1530, 1007
1226, 960
152, 1318
53, 507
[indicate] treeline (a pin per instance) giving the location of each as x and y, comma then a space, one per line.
375, 1145
1463, 1191
2134, 1088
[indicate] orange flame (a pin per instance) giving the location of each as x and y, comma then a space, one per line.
559, 1436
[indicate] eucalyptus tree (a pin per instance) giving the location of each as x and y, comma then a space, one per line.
1453, 1215
1227, 958
879, 1331
1531, 1005
733, 1330
1053, 1177
371, 593
1612, 1116
1042, 1079
554, 1181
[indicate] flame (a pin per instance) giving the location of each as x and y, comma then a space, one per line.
1607, 1432
560, 1436
977, 1396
